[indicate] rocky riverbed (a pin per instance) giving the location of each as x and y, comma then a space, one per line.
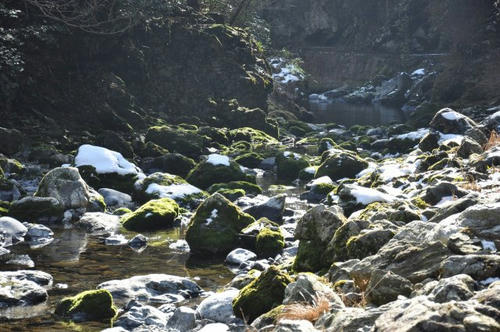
387, 228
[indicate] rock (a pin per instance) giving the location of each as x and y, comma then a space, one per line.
468, 147
450, 122
89, 305
457, 288
341, 164
239, 255
308, 288
272, 209
479, 267
261, 295
489, 296
350, 319
138, 242
315, 230
37, 209
98, 223
341, 270
241, 280
215, 226
407, 254
435, 193
353, 197
367, 243
454, 207
152, 288
269, 242
289, 164
385, 287
421, 313
155, 214
24, 288
12, 141
336, 249
115, 240
140, 315
183, 319
116, 199
482, 219
180, 140
12, 231
165, 185
115, 142
39, 235
396, 212
174, 163
180, 245
268, 163
67, 186
218, 307
248, 187
430, 141
21, 260
104, 168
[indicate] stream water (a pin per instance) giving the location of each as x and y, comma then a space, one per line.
351, 114
80, 262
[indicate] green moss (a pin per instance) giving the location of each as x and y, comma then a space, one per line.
269, 243
359, 129
89, 305
121, 211
205, 174
248, 187
420, 203
186, 142
261, 295
308, 257
250, 160
123, 183
343, 164
151, 149
326, 144
232, 194
218, 135
215, 226
251, 135
272, 315
155, 214
323, 188
4, 208
10, 166
290, 164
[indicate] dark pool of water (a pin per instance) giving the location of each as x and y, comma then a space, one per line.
351, 114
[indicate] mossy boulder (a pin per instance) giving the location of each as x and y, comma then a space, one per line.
180, 140
174, 163
155, 214
232, 194
217, 169
449, 121
367, 243
215, 226
251, 135
37, 209
341, 164
4, 208
250, 160
336, 249
396, 211
262, 294
248, 187
8, 165
92, 305
269, 242
290, 164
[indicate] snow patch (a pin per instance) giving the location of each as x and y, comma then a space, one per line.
218, 159
367, 196
419, 72
293, 155
310, 170
173, 191
104, 160
213, 215
452, 115
489, 245
322, 180
414, 135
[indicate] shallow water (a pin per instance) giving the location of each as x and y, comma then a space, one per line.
351, 114
82, 262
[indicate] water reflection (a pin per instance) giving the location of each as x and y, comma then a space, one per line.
351, 114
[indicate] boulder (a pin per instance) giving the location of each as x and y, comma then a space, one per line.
116, 199
155, 214
138, 315
218, 307
67, 186
152, 288
459, 287
261, 295
468, 147
367, 243
99, 223
12, 231
479, 267
385, 287
184, 141
183, 319
269, 242
173, 163
308, 288
336, 250
215, 226
38, 235
239, 255
217, 169
24, 288
341, 164
271, 209
315, 230
37, 209
89, 305
289, 164
353, 197
450, 122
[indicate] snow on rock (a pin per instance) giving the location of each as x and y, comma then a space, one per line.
104, 160
321, 180
288, 72
452, 115
288, 154
367, 196
448, 138
218, 159
173, 191
418, 72
310, 170
414, 135
213, 215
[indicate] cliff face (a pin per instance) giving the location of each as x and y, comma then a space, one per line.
350, 41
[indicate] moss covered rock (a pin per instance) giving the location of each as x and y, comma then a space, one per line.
248, 187
155, 214
180, 140
96, 305
341, 164
290, 164
217, 169
251, 135
174, 163
215, 226
367, 243
231, 194
250, 160
262, 294
37, 209
269, 242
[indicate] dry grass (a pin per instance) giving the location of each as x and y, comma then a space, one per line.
493, 141
310, 312
470, 183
